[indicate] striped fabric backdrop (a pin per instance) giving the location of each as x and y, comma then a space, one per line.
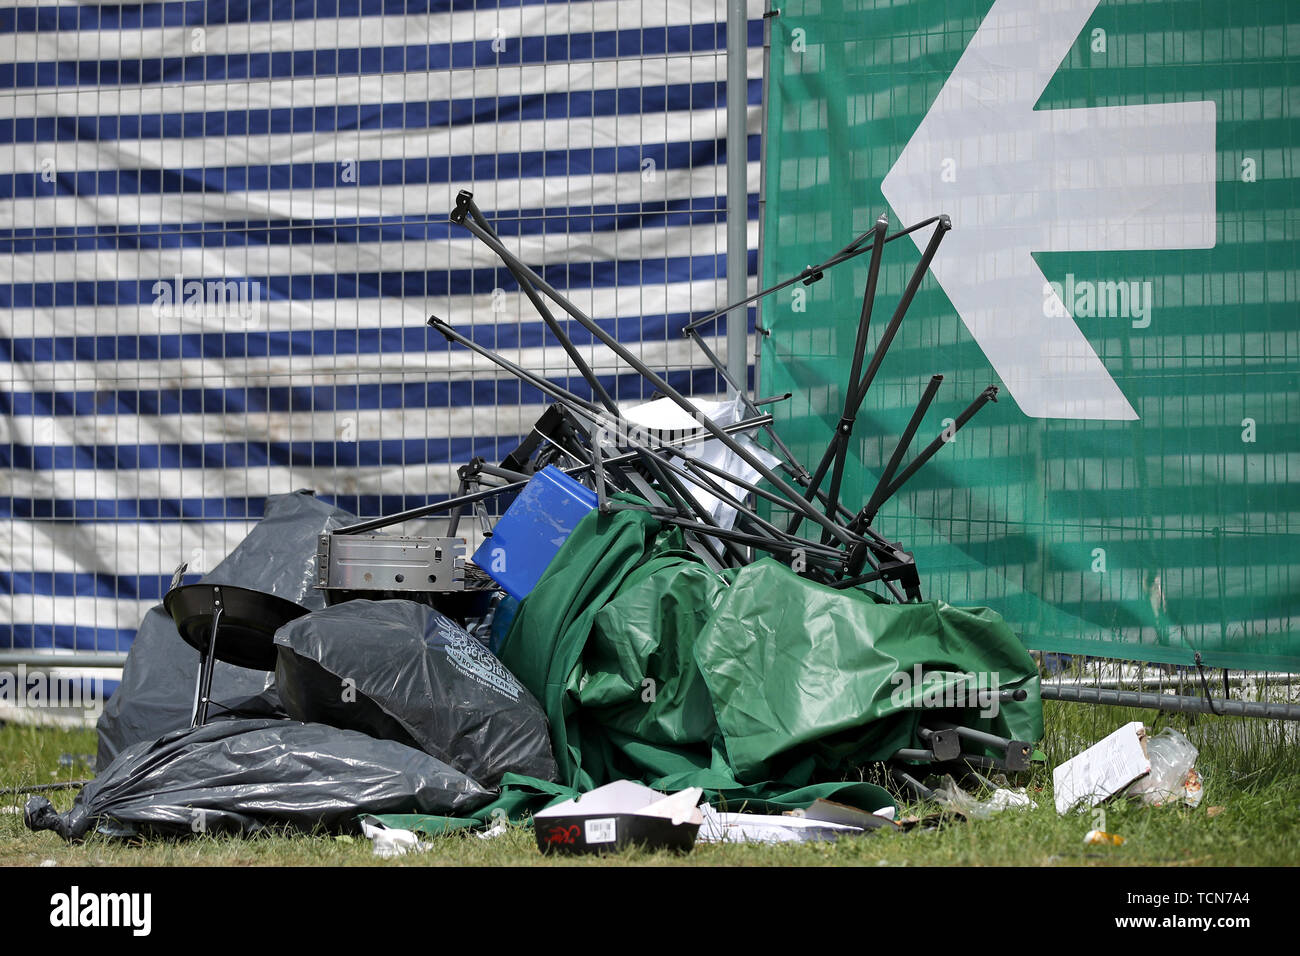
223, 225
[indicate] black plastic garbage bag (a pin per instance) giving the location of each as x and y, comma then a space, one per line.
157, 690
240, 776
403, 671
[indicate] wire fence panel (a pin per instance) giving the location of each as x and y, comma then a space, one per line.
225, 225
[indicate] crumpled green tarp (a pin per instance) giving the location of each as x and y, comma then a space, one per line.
762, 687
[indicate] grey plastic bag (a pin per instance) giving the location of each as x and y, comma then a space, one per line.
403, 671
241, 776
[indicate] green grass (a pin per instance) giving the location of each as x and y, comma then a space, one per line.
1251, 770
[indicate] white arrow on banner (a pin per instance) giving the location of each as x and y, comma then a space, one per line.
1016, 181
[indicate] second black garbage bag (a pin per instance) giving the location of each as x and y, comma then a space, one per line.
402, 671
247, 775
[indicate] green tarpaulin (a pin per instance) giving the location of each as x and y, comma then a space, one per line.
764, 688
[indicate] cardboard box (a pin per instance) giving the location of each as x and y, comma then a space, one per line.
619, 815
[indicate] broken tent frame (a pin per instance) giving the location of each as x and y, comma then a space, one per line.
849, 551
589, 439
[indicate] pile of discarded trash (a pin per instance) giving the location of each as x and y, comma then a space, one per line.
631, 638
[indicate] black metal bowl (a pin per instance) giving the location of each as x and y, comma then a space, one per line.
249, 620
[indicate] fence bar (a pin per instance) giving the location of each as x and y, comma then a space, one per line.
45, 657
737, 189
1169, 702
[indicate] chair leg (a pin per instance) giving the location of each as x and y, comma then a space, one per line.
198, 688
207, 663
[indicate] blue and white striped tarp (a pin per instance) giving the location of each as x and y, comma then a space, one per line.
224, 225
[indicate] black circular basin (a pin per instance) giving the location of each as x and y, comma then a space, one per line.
249, 620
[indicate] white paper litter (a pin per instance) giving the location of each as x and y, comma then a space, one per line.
664, 416
390, 842
721, 827
624, 796
1102, 770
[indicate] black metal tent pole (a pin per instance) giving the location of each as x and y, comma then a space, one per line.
791, 464
762, 528
574, 403
990, 394
562, 395
878, 543
904, 442
686, 502
811, 274
702, 472
860, 389
669, 476
705, 482
830, 558
496, 471
465, 204
707, 551
795, 497
850, 414
809, 546
423, 511
941, 229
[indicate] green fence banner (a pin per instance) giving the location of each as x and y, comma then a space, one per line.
1123, 181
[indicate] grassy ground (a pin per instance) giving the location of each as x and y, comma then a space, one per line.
1251, 770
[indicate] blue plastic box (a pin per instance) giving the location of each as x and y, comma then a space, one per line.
530, 533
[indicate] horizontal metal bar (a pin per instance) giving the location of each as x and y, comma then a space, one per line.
36, 657
1188, 674
914, 754
1170, 702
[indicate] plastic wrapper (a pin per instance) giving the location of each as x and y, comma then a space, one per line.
402, 671
241, 776
1001, 797
1173, 775
157, 690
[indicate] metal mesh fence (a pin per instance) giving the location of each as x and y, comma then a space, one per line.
224, 227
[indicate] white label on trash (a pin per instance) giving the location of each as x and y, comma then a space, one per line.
476, 661
602, 831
